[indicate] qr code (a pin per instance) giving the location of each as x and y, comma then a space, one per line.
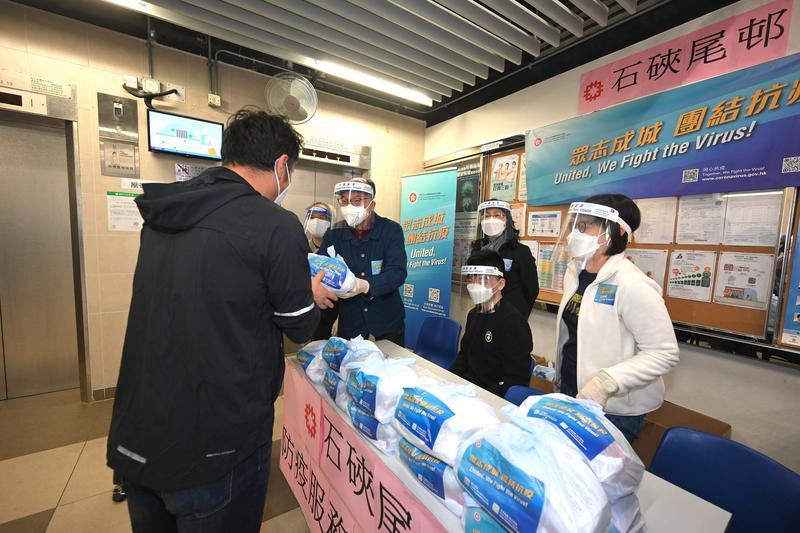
433, 295
408, 290
690, 175
790, 164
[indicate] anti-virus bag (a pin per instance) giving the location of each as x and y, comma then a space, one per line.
359, 351
307, 353
383, 436
334, 352
532, 481
316, 369
337, 278
334, 385
377, 384
583, 423
434, 474
438, 417
476, 520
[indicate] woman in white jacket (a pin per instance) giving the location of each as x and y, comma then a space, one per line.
614, 337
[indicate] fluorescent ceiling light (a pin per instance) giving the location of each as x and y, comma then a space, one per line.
373, 82
763, 193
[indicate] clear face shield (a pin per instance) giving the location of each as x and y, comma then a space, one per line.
353, 203
482, 283
587, 232
494, 219
318, 220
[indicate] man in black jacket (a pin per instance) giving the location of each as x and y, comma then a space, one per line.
222, 274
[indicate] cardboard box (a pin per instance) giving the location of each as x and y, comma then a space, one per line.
542, 384
671, 415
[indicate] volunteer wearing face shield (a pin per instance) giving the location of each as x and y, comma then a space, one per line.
318, 221
374, 249
496, 347
497, 233
614, 338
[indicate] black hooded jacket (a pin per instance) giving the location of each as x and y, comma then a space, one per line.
222, 273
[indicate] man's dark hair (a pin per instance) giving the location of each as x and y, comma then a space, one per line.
628, 211
486, 258
255, 138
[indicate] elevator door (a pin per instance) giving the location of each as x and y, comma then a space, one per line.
37, 295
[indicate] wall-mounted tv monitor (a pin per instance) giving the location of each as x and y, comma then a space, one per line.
176, 134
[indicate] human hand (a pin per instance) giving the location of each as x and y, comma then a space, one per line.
599, 389
323, 297
362, 287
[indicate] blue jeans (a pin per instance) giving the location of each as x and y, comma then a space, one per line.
232, 503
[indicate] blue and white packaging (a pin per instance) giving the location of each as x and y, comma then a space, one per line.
307, 353
316, 369
438, 417
359, 351
476, 520
584, 425
337, 278
334, 385
334, 352
377, 384
383, 436
435, 475
532, 484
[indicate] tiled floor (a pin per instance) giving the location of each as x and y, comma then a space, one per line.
53, 476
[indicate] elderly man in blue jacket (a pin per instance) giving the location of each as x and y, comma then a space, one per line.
374, 250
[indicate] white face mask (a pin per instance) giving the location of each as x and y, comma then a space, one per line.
355, 215
582, 245
479, 293
281, 193
493, 226
316, 227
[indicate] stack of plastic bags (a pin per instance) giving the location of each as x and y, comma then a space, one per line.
583, 424
532, 481
383, 436
376, 385
337, 276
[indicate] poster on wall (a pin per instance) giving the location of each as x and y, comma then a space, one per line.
503, 177
522, 188
551, 269
658, 220
518, 216
701, 219
790, 334
122, 212
544, 224
735, 132
534, 248
466, 231
119, 159
753, 219
737, 42
427, 214
691, 275
652, 262
744, 279
468, 190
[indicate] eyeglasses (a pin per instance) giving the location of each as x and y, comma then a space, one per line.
356, 201
582, 225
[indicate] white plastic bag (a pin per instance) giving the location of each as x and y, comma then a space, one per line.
359, 350
438, 417
309, 352
316, 369
334, 352
434, 474
626, 516
584, 424
532, 481
334, 385
337, 278
383, 436
476, 520
377, 384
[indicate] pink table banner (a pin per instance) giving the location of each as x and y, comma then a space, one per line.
754, 37
339, 479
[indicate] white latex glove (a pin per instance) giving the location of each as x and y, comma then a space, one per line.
362, 287
599, 389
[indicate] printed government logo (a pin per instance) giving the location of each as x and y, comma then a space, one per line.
488, 336
412, 198
537, 141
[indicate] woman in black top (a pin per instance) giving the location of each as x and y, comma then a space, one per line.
497, 233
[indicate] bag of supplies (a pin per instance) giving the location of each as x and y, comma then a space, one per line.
532, 481
626, 516
316, 369
438, 417
383, 436
360, 350
333, 384
377, 384
307, 353
337, 278
434, 474
476, 520
584, 424
334, 352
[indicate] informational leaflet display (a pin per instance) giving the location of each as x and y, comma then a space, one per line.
691, 275
744, 279
123, 215
518, 216
466, 230
503, 177
658, 220
544, 224
790, 335
753, 219
551, 269
701, 219
652, 262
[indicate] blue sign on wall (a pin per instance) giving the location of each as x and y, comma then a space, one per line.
427, 214
734, 132
791, 320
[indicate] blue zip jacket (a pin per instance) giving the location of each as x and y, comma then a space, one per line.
381, 260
